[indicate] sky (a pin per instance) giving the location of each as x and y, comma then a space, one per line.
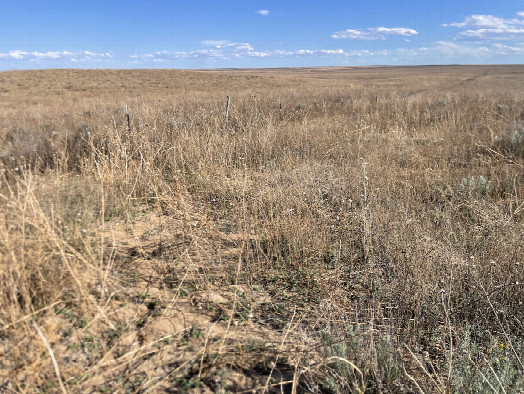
38, 34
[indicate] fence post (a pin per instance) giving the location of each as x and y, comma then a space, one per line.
227, 109
280, 107
127, 118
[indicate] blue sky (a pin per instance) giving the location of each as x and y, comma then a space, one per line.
257, 33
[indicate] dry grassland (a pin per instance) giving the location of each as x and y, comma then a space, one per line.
366, 237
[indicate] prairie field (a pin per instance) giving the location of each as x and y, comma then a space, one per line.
340, 230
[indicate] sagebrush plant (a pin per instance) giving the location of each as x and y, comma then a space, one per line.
376, 362
393, 195
479, 185
512, 143
487, 363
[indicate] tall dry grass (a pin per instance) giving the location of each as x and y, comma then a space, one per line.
389, 204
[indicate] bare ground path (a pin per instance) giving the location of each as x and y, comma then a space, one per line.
178, 316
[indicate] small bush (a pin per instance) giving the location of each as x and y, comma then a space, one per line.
47, 148
513, 142
489, 364
378, 362
477, 186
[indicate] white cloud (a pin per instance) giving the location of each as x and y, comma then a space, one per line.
225, 50
298, 53
504, 34
221, 49
489, 27
277, 53
214, 43
482, 21
57, 55
439, 52
373, 33
509, 50
450, 51
401, 31
225, 44
245, 46
263, 12
352, 34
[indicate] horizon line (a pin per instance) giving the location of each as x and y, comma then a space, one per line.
264, 68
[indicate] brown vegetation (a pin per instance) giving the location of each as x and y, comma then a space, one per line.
367, 237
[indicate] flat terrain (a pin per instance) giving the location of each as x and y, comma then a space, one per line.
352, 229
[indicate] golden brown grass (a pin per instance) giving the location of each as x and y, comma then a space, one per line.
369, 237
